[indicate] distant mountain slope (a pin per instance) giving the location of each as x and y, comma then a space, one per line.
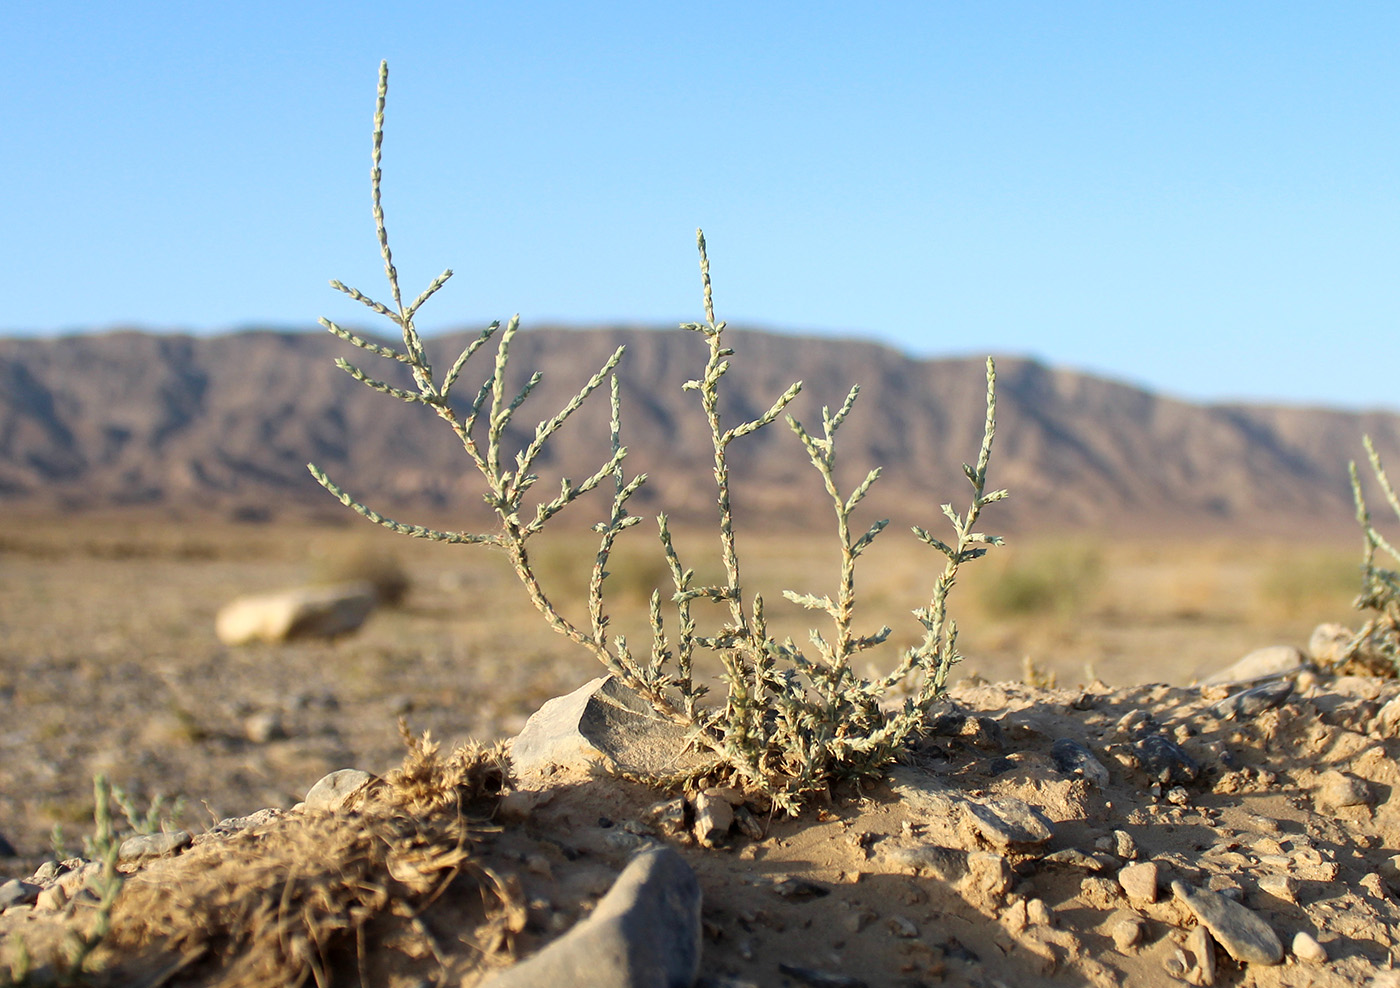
230, 421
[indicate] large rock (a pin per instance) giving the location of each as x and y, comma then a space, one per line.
309, 612
645, 933
601, 725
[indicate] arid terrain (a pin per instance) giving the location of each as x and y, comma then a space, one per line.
109, 665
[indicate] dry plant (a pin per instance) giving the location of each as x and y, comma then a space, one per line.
1377, 645
793, 722
326, 898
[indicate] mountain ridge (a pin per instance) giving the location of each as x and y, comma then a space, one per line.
227, 422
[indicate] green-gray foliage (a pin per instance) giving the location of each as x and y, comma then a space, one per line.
1380, 584
794, 720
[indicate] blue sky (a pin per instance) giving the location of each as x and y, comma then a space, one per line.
1199, 197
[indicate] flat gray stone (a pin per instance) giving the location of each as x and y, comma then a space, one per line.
153, 845
1165, 760
1073, 758
18, 893
1245, 936
1007, 821
1254, 700
338, 790
947, 864
645, 933
602, 724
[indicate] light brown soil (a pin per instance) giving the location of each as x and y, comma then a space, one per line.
108, 664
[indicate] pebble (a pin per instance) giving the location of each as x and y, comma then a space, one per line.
1127, 933
153, 845
1280, 887
1073, 758
17, 893
1329, 643
1164, 760
947, 864
1119, 843
1039, 914
1006, 821
1337, 790
264, 726
1073, 858
337, 790
1202, 948
1242, 933
51, 899
1253, 701
1307, 949
668, 815
1139, 881
903, 926
800, 889
747, 824
714, 815
989, 874
821, 979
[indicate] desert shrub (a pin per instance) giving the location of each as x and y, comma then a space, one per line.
1377, 644
794, 720
1056, 580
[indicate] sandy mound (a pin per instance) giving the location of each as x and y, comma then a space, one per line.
1036, 837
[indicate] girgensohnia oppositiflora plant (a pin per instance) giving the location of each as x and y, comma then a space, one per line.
793, 721
1379, 637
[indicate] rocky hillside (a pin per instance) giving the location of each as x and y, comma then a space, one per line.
229, 422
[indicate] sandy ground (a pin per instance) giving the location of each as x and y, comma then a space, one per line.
108, 665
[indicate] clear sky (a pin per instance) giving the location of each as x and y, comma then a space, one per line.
1199, 197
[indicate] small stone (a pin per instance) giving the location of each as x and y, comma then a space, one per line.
1073, 758
1176, 964
1262, 663
668, 815
1374, 884
903, 926
1337, 790
47, 872
747, 824
989, 874
311, 612
1127, 933
1254, 701
1280, 887
947, 864
1202, 948
821, 979
1008, 821
1124, 846
1164, 760
1071, 857
1308, 950
646, 930
1139, 882
153, 845
1039, 914
264, 726
713, 818
17, 893
1329, 643
1014, 917
1242, 933
1178, 796
51, 899
339, 790
800, 889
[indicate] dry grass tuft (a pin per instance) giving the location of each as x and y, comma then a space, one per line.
347, 898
